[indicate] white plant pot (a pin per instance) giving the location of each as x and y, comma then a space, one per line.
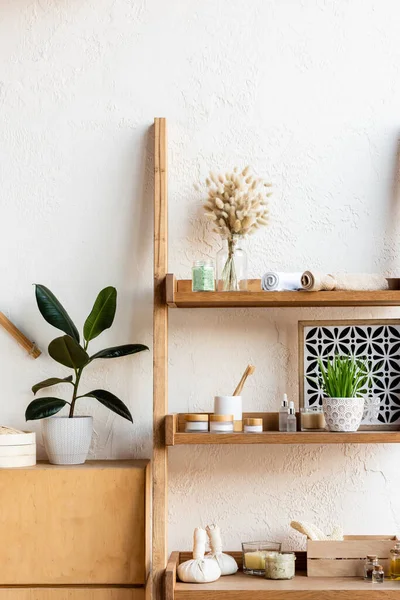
343, 414
67, 441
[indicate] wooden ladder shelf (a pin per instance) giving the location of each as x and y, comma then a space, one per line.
168, 431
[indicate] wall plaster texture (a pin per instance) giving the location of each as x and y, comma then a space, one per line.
307, 92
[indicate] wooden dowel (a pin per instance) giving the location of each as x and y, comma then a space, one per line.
22, 340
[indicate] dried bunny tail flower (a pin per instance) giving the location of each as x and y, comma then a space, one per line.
219, 203
211, 215
246, 170
237, 226
221, 178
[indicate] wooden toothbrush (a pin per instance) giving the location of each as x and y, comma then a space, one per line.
249, 371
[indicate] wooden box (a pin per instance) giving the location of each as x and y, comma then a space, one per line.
79, 524
346, 558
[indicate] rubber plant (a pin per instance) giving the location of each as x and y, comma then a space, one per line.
69, 351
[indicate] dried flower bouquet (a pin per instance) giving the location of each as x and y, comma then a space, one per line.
237, 204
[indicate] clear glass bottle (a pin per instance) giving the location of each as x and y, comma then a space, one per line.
378, 574
283, 413
232, 266
291, 418
395, 562
203, 276
370, 563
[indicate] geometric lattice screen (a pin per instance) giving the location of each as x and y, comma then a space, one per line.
379, 344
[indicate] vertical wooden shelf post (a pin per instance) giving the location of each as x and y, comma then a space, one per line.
160, 353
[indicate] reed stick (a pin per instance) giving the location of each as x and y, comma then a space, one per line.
19, 337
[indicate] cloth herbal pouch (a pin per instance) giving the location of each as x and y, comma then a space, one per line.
226, 563
199, 569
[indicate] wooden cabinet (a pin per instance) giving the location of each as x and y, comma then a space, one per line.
75, 525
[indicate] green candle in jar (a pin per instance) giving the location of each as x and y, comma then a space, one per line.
203, 276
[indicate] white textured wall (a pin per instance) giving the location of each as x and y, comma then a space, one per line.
308, 93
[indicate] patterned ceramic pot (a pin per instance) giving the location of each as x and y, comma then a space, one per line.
343, 414
67, 441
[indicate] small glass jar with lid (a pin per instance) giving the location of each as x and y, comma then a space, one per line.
252, 425
370, 562
203, 276
378, 574
312, 418
280, 565
395, 562
221, 423
196, 423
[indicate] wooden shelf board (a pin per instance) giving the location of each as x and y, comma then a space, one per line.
179, 295
243, 587
175, 435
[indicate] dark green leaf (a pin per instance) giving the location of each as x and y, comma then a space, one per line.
66, 351
43, 407
49, 382
112, 402
102, 315
117, 351
53, 311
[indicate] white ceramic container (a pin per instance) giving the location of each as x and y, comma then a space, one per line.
343, 414
17, 450
67, 441
230, 405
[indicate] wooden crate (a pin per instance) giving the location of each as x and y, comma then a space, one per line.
346, 558
79, 524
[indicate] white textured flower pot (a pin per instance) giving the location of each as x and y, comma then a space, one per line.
343, 414
67, 441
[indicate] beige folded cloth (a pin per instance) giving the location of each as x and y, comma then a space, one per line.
313, 281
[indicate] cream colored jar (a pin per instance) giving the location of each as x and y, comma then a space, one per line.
196, 423
253, 425
221, 423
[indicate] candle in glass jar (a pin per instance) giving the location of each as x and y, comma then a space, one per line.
312, 419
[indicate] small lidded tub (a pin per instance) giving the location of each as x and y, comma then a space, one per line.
196, 422
280, 565
253, 425
221, 423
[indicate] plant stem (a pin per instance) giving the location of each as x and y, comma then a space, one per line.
78, 374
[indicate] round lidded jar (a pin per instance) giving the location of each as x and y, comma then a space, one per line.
196, 422
221, 423
253, 425
203, 276
280, 565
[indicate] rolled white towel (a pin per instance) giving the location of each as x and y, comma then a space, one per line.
313, 281
275, 281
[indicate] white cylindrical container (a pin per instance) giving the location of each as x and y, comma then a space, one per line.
196, 423
230, 405
221, 423
253, 425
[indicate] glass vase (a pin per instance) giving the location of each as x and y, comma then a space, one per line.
232, 266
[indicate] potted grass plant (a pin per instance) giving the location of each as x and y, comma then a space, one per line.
343, 381
67, 438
